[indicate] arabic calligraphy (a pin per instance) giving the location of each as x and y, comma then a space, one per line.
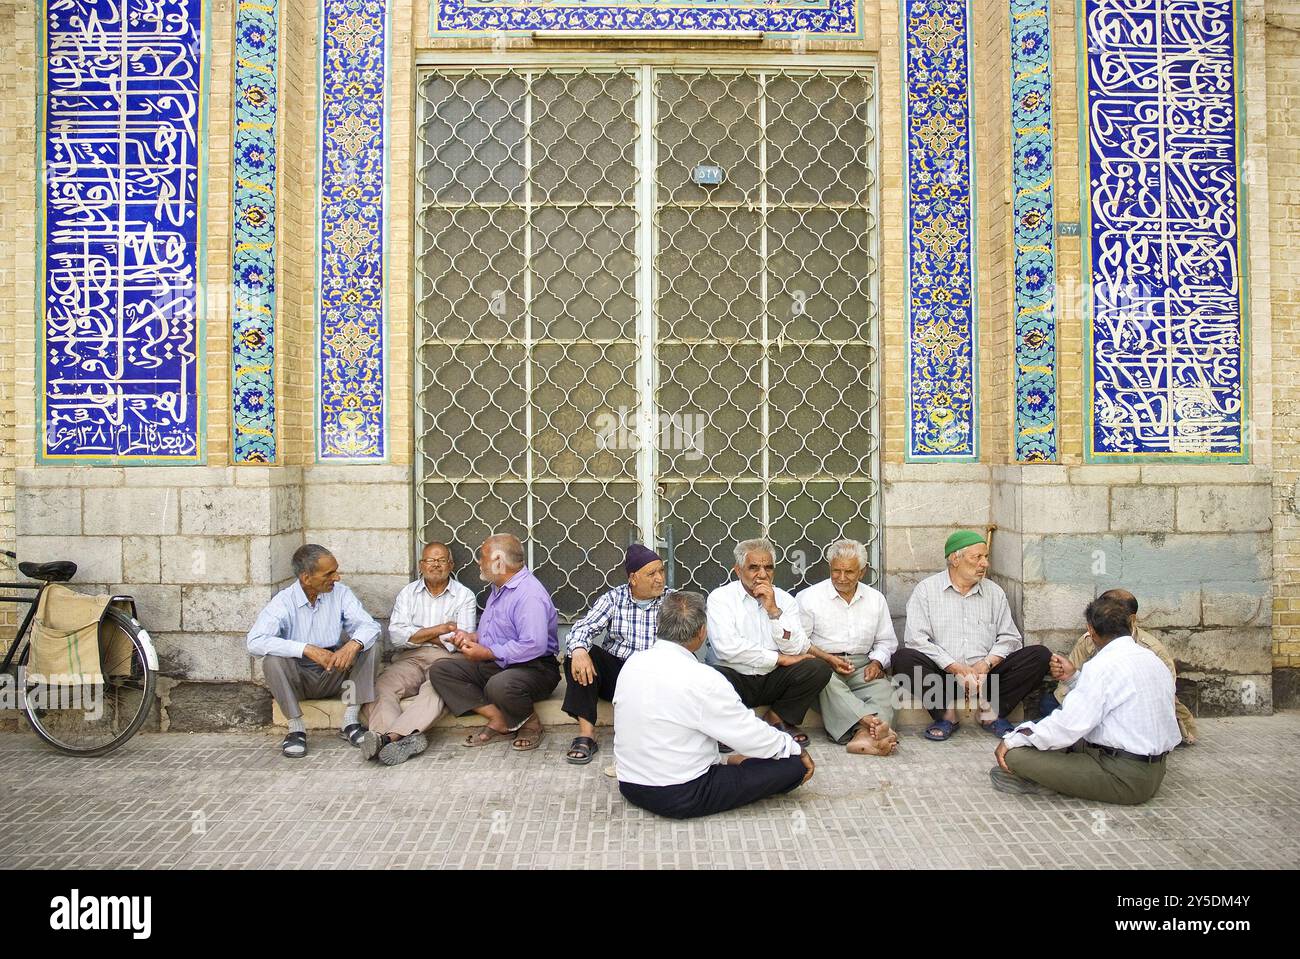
123, 95
1165, 241
838, 17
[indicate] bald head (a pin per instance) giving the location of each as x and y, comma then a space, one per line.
500, 557
1123, 597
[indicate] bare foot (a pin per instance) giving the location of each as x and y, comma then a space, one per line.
864, 743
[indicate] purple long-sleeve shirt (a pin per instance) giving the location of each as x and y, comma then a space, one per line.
519, 622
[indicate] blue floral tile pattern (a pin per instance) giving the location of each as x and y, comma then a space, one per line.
834, 17
350, 321
941, 322
253, 300
1032, 176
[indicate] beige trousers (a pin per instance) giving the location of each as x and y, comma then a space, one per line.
407, 675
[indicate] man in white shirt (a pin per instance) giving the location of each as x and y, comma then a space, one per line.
1109, 740
849, 624
960, 636
425, 616
299, 634
670, 711
757, 641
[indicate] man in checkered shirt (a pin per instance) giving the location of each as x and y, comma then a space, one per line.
628, 615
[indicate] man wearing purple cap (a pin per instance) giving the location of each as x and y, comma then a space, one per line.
628, 615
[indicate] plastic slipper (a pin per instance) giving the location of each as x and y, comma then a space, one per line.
586, 747
795, 732
940, 730
999, 727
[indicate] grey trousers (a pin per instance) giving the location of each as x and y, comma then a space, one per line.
293, 680
847, 699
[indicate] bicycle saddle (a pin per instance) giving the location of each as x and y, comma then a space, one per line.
60, 571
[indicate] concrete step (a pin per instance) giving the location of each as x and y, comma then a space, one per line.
328, 714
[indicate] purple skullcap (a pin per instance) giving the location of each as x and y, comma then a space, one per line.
638, 557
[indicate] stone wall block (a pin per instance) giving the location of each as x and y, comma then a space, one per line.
271, 557
222, 609
1236, 604
210, 707
193, 560
952, 504
355, 475
915, 548
367, 551
48, 511
142, 559
130, 512
158, 606
1056, 606
1215, 509
1195, 558
1142, 509
231, 511
381, 506
1065, 509
1243, 650
98, 558
1082, 560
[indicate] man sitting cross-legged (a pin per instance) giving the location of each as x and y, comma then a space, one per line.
1066, 669
960, 634
670, 711
628, 615
757, 641
509, 664
848, 624
1109, 740
300, 635
432, 607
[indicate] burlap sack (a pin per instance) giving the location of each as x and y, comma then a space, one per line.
65, 636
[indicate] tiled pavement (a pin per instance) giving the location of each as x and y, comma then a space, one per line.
230, 800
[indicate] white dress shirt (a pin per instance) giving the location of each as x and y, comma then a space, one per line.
416, 608
289, 624
742, 636
949, 627
860, 627
670, 712
1124, 699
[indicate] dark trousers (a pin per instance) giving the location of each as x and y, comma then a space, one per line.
465, 685
1017, 676
721, 788
790, 690
580, 701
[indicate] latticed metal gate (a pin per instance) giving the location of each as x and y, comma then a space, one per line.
648, 310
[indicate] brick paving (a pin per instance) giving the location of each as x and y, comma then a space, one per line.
229, 800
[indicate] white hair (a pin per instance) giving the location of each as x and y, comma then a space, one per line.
848, 549
747, 546
957, 555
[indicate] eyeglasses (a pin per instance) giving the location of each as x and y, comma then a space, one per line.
435, 562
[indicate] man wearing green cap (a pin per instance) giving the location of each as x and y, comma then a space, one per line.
960, 634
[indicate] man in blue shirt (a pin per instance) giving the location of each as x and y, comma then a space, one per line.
300, 634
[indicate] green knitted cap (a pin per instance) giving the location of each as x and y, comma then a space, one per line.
960, 540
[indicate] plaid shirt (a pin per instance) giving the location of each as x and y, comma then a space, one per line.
630, 628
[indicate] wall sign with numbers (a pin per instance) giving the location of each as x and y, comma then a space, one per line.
121, 114
1166, 325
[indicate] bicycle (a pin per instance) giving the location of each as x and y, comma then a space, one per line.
119, 702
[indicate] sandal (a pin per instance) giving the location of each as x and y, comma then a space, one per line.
795, 732
585, 747
940, 730
999, 727
484, 736
294, 745
531, 732
354, 733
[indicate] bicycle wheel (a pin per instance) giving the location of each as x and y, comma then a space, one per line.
94, 716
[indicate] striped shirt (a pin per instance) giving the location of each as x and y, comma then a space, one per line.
628, 627
289, 624
416, 608
951, 628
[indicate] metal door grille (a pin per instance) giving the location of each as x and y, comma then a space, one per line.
609, 351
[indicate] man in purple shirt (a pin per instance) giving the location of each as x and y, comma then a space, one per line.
509, 664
